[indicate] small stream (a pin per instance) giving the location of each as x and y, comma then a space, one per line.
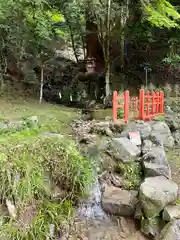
91, 208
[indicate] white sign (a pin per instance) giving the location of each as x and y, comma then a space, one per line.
135, 138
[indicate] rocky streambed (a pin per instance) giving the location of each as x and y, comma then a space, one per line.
134, 196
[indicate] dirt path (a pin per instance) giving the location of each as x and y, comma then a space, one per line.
110, 229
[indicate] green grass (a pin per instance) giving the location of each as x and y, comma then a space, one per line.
29, 172
32, 165
51, 117
47, 213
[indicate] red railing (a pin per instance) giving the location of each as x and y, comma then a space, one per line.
144, 107
117, 104
150, 105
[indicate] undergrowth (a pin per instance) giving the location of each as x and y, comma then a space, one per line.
132, 174
40, 228
28, 173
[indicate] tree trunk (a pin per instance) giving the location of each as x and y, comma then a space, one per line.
123, 21
122, 51
73, 44
107, 50
41, 85
107, 78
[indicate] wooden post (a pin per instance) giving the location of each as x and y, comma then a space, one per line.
158, 102
153, 103
147, 97
126, 106
141, 104
115, 105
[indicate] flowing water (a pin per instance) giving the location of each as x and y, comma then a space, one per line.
94, 224
91, 207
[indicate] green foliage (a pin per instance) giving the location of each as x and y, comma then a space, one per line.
162, 14
132, 174
120, 112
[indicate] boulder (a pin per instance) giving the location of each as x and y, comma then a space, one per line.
152, 226
155, 193
166, 139
160, 127
146, 146
140, 126
171, 231
119, 202
124, 150
171, 212
155, 163
162, 133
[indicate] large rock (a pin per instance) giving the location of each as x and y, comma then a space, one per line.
152, 226
161, 131
160, 127
155, 163
171, 212
119, 202
155, 193
124, 150
140, 126
171, 231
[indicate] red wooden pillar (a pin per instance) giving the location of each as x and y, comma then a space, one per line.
153, 103
158, 102
115, 105
126, 106
141, 104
